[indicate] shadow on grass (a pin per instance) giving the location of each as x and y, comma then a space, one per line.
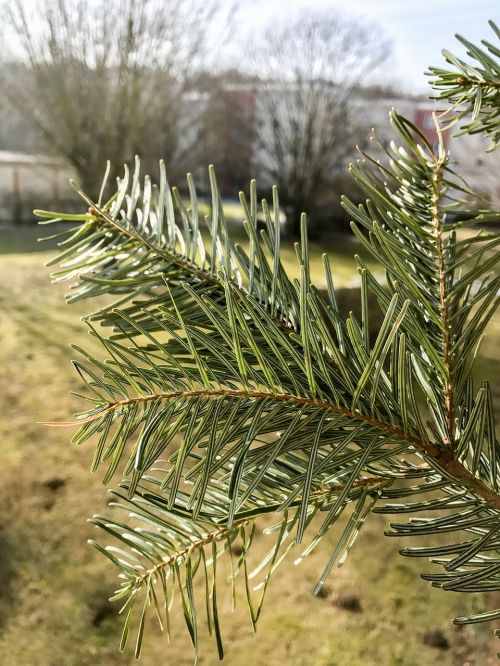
8, 576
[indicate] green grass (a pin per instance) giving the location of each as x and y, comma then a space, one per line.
55, 586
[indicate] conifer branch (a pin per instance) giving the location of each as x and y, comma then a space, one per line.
228, 392
443, 281
435, 453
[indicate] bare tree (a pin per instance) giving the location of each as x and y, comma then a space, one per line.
230, 133
309, 115
107, 79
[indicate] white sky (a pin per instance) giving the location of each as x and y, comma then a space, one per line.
418, 29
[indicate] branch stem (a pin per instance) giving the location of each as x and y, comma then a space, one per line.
441, 457
438, 224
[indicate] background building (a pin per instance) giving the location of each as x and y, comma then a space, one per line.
29, 181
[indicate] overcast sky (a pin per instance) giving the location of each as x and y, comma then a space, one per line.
418, 29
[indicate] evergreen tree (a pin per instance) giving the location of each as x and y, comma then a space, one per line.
227, 392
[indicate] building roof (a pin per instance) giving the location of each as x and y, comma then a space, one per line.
14, 158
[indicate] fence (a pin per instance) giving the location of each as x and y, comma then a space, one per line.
32, 181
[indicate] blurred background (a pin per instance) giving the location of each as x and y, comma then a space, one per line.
278, 90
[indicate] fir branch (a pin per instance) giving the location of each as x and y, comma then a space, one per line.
473, 88
228, 392
443, 282
435, 454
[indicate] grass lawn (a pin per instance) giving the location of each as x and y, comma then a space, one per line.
53, 606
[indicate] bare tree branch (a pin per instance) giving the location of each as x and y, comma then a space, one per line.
105, 80
311, 65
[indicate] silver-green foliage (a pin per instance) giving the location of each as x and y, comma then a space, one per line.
473, 87
227, 392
